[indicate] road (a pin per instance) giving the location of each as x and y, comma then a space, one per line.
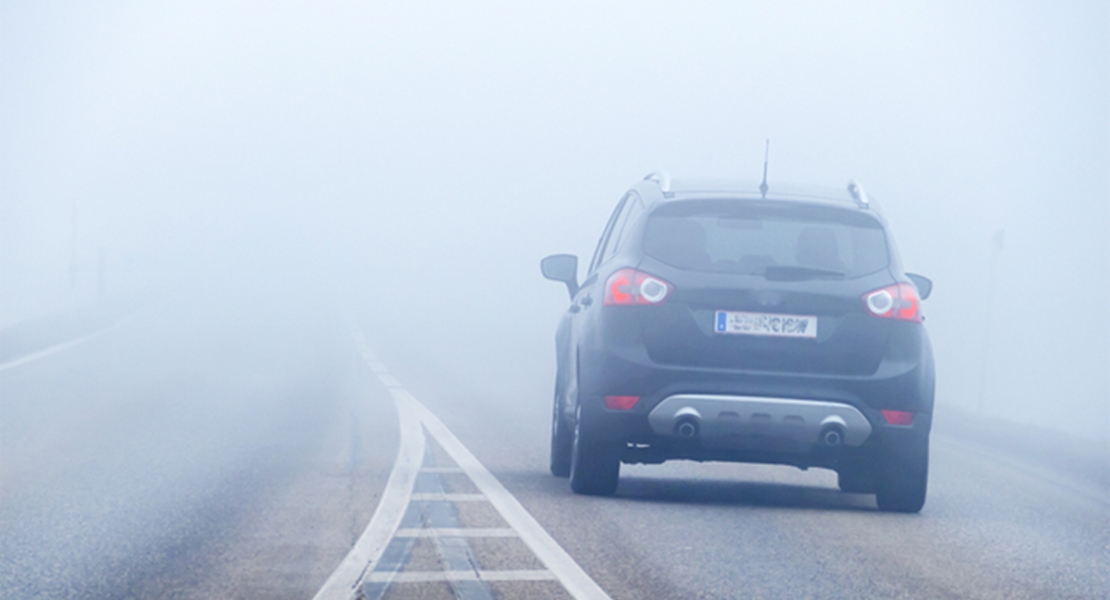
214, 452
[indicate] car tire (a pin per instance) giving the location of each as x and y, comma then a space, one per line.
562, 438
594, 465
856, 480
904, 483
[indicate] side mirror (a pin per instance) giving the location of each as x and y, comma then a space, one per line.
564, 268
923, 284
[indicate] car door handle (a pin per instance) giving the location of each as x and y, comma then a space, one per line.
587, 301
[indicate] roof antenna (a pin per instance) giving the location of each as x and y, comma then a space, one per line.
766, 155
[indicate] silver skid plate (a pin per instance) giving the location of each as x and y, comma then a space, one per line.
730, 416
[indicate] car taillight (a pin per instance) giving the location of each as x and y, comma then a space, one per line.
897, 301
629, 286
621, 402
898, 417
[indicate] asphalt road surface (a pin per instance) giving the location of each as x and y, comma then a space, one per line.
217, 453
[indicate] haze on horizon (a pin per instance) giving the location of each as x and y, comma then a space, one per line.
427, 156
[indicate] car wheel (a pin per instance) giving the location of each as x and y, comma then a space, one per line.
594, 465
561, 440
902, 486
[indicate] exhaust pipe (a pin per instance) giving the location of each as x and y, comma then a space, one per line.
687, 427
832, 436
833, 430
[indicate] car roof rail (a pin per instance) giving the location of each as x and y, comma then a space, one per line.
858, 194
661, 178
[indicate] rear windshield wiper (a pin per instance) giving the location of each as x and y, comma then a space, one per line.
795, 273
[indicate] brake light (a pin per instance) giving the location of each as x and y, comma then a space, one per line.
897, 301
621, 402
898, 417
629, 286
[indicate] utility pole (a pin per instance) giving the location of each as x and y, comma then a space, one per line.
73, 257
101, 266
992, 277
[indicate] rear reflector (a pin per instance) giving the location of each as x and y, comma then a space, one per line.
621, 402
898, 417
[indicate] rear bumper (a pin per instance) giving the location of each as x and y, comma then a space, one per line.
765, 426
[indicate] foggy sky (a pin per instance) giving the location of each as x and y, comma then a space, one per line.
434, 152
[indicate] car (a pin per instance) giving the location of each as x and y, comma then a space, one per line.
724, 321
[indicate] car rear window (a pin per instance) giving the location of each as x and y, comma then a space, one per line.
740, 236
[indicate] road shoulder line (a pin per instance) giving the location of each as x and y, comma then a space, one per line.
368, 550
56, 348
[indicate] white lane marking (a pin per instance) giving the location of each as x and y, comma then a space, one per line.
558, 562
466, 532
368, 550
437, 576
390, 381
440, 497
66, 345
550, 553
377, 367
441, 470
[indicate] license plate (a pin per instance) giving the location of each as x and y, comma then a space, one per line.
750, 323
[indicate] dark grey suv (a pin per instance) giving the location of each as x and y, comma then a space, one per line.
721, 322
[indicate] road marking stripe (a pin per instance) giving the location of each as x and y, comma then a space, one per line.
368, 550
455, 553
378, 368
436, 576
390, 381
467, 532
550, 553
66, 345
368, 355
448, 497
359, 564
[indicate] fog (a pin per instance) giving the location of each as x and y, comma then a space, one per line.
418, 160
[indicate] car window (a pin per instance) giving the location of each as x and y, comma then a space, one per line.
631, 209
599, 252
744, 237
